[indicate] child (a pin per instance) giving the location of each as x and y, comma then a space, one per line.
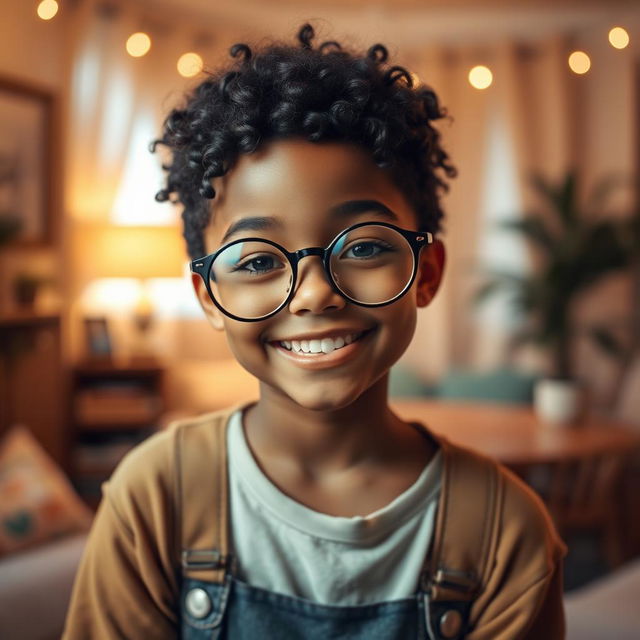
310, 180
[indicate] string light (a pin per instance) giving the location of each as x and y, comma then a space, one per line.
480, 77
579, 62
138, 44
618, 37
189, 64
47, 9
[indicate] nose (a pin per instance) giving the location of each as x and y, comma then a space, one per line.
314, 293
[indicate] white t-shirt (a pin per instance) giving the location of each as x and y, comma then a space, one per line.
283, 546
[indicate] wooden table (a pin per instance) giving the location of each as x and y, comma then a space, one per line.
514, 436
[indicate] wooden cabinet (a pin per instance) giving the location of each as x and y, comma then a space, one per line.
33, 385
114, 407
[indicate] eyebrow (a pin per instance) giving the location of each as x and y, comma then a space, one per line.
255, 223
354, 207
349, 208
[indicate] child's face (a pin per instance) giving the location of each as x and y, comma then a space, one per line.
297, 184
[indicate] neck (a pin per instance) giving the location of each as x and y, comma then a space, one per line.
322, 440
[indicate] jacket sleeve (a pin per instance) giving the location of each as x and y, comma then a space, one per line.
126, 584
522, 599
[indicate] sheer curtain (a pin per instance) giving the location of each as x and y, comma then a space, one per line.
116, 106
498, 137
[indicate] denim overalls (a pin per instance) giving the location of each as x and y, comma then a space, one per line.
215, 605
238, 611
234, 610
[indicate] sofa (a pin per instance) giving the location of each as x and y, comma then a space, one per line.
35, 587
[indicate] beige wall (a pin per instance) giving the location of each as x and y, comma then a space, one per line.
32, 52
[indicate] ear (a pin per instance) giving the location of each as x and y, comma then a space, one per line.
214, 316
430, 270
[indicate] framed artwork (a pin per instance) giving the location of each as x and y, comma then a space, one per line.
26, 115
98, 340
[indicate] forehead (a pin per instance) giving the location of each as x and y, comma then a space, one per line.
300, 182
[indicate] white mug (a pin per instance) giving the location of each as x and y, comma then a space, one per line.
557, 402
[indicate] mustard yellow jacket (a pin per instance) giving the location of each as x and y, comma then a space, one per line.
127, 585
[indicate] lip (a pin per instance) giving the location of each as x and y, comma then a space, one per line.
317, 361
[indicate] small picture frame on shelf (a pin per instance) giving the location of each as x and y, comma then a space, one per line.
98, 339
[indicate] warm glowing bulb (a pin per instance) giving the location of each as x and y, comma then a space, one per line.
189, 64
480, 77
579, 62
47, 9
618, 37
138, 44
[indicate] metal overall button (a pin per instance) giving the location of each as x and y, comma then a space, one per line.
198, 602
450, 623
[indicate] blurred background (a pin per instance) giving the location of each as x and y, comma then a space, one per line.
533, 341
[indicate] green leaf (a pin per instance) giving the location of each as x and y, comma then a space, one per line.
534, 229
567, 200
601, 193
607, 341
560, 199
486, 290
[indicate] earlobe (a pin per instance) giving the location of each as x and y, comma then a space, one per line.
430, 271
211, 311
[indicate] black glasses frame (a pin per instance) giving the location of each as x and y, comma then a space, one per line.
416, 239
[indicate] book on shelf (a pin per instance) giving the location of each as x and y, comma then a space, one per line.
113, 405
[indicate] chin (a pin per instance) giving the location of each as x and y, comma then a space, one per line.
318, 399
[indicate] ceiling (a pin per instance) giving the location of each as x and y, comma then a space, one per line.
403, 22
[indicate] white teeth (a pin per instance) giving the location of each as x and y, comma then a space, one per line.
324, 345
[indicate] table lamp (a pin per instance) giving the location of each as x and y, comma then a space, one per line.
141, 252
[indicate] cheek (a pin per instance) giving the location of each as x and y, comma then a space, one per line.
244, 340
398, 325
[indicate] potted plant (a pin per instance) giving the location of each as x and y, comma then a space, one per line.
619, 338
574, 246
26, 287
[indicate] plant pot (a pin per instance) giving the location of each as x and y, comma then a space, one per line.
25, 292
558, 401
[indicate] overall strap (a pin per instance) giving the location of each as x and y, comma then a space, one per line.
202, 491
464, 541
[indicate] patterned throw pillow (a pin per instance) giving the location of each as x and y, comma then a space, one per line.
37, 502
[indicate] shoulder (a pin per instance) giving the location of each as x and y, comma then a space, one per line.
144, 483
522, 529
525, 520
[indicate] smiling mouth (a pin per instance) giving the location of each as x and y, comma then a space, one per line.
321, 345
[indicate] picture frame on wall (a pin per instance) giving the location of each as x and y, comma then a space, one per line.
98, 338
26, 203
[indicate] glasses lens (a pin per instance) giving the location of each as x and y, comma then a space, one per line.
372, 264
250, 279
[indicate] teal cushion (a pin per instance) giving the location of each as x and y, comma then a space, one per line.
403, 383
502, 385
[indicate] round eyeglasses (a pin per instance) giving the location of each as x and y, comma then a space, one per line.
371, 264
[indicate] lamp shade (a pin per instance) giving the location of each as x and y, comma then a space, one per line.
108, 251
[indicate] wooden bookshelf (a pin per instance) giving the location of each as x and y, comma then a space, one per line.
114, 406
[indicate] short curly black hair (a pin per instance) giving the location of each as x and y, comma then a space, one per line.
318, 94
